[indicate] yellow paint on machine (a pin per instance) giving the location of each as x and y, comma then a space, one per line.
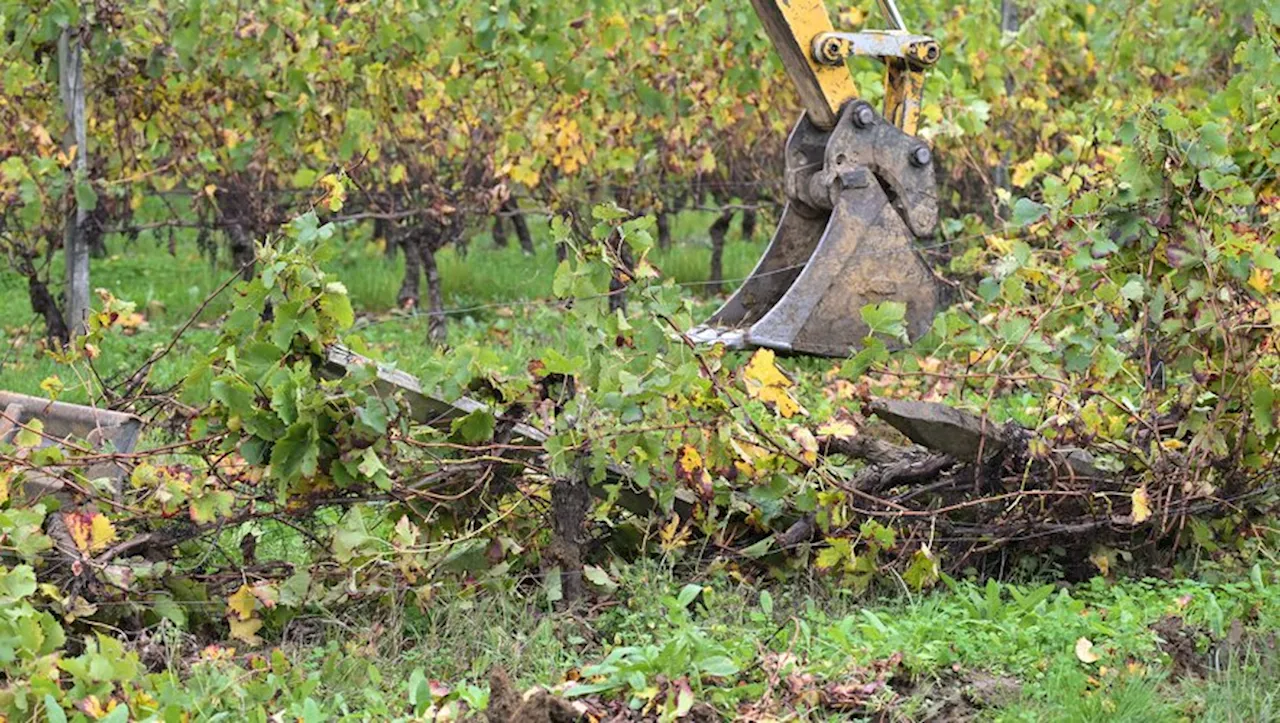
792, 26
904, 90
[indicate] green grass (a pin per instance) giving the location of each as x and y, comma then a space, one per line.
1246, 687
654, 636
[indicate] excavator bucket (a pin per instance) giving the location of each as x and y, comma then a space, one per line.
860, 190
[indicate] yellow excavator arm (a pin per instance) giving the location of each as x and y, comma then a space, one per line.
792, 26
814, 55
860, 190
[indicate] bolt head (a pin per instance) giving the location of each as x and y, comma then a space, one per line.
921, 157
831, 50
863, 116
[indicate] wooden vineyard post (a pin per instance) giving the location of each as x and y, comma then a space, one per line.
75, 244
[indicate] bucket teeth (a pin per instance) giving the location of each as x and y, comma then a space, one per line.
730, 338
860, 195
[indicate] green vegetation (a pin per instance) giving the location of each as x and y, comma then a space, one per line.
641, 525
475, 287
1002, 652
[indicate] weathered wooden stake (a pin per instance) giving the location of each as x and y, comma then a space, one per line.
75, 246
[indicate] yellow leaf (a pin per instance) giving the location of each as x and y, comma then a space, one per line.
669, 530
242, 603
266, 594
1260, 279
764, 381
41, 136
707, 163
144, 475
217, 652
844, 390
690, 460
781, 401
672, 537
93, 707
335, 191
762, 370
976, 357
749, 451
1084, 651
4, 486
749, 454
691, 468
80, 527
840, 428
828, 558
1141, 505
246, 630
1027, 171
524, 174
131, 320
1102, 559
807, 443
101, 533
1024, 172
52, 386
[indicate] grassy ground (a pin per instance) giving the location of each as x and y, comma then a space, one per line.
808, 650
1165, 650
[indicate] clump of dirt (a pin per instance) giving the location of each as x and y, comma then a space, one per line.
963, 697
536, 706
991, 691
1178, 640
